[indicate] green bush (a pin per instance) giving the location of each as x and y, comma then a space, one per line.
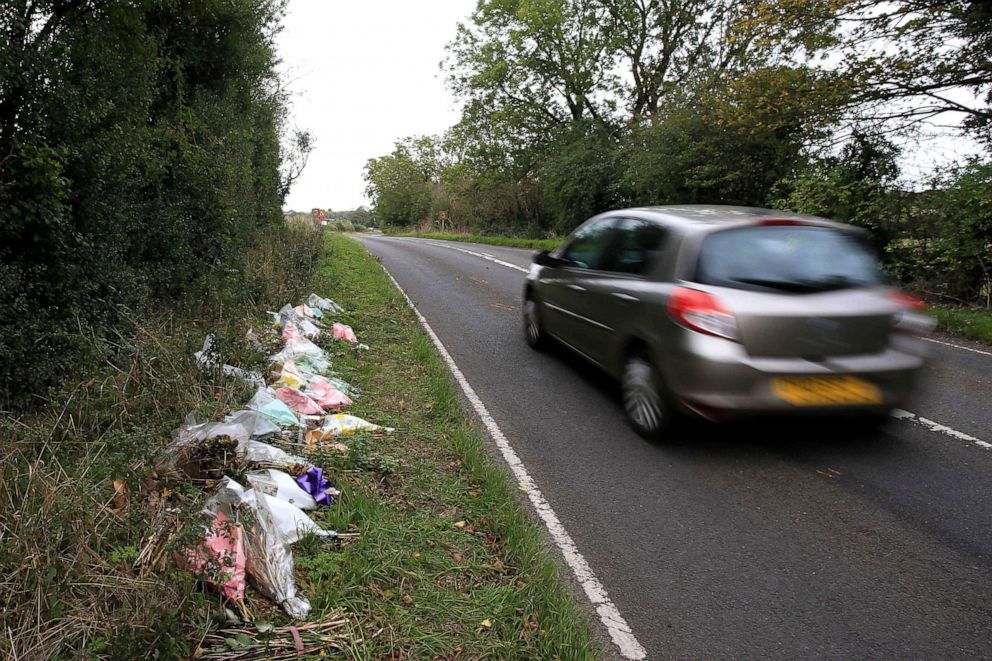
944, 248
143, 154
936, 241
579, 177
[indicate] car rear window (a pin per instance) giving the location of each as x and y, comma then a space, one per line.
787, 258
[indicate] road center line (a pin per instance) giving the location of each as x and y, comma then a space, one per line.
958, 346
939, 428
608, 613
483, 255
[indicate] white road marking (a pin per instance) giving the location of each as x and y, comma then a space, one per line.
483, 255
939, 428
958, 346
608, 613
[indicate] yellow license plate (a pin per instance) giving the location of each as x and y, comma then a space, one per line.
825, 390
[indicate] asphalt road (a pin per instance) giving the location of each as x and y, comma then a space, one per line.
759, 540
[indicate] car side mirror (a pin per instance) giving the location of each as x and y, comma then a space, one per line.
544, 258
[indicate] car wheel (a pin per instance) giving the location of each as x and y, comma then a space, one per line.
533, 330
643, 402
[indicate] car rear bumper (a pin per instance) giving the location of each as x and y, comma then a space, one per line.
717, 379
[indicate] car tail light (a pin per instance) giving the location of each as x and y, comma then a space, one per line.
911, 319
702, 312
907, 300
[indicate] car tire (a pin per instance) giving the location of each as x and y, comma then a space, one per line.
643, 400
870, 423
533, 328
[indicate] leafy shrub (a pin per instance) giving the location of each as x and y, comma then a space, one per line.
143, 155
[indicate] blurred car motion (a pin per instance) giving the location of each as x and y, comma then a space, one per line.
723, 311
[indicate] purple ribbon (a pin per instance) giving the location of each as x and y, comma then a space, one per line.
315, 484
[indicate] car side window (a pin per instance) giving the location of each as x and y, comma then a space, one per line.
585, 250
637, 245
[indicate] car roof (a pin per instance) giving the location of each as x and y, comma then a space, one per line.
709, 216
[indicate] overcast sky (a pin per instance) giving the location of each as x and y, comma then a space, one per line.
363, 75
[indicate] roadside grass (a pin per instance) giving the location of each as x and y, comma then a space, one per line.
447, 564
419, 582
974, 324
506, 241
68, 534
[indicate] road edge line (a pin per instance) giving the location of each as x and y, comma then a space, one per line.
620, 632
957, 346
935, 426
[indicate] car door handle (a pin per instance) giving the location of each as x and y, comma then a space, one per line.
625, 297
576, 287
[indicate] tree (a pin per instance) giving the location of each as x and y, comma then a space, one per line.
945, 244
731, 144
533, 64
362, 216
913, 61
578, 176
673, 49
400, 188
139, 147
539, 77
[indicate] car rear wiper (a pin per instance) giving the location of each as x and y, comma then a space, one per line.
830, 282
782, 285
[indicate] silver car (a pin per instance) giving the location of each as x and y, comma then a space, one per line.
722, 311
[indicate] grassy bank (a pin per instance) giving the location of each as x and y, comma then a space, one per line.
73, 469
971, 323
444, 562
509, 242
447, 564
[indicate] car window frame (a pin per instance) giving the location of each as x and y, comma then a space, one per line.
651, 266
562, 250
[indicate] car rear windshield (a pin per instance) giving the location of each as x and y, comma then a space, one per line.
801, 259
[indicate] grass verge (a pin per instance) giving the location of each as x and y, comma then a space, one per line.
970, 323
447, 564
72, 470
507, 241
